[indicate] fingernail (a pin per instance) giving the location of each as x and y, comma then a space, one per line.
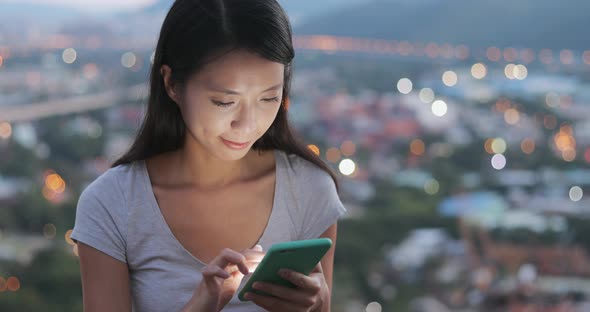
248, 295
256, 285
258, 247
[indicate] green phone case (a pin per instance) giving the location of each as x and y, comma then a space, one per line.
301, 256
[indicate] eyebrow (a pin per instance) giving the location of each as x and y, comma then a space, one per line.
228, 91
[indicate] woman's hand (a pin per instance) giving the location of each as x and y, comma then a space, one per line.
223, 275
310, 292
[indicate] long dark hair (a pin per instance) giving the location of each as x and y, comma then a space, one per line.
197, 31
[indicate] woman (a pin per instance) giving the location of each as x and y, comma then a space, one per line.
214, 177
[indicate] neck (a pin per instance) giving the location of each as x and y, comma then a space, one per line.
199, 168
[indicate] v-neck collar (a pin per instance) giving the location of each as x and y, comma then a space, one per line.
153, 203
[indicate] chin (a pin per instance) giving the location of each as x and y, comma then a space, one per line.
228, 154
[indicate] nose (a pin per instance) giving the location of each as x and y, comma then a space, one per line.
245, 120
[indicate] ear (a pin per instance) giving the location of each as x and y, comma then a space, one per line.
166, 73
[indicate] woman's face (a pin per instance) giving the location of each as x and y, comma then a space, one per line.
235, 98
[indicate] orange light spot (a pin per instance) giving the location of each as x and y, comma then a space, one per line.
333, 154
348, 148
13, 284
314, 149
417, 147
527, 146
488, 146
68, 239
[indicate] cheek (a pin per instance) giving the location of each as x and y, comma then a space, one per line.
203, 120
269, 116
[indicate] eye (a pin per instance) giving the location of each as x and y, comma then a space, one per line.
221, 103
274, 99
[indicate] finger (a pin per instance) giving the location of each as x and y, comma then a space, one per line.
269, 303
253, 259
251, 265
231, 268
318, 268
300, 280
254, 255
229, 256
209, 272
295, 296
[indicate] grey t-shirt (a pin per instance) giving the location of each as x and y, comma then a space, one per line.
118, 214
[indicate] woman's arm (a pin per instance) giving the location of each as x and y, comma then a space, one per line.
328, 265
105, 281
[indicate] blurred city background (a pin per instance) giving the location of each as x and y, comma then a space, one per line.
460, 131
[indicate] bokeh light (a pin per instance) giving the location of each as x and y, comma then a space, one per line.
373, 307
552, 99
546, 56
348, 148
479, 71
54, 187
527, 55
502, 105
69, 55
511, 116
347, 166
49, 231
509, 71
520, 72
55, 183
128, 59
488, 145
449, 78
569, 154
510, 54
493, 54
576, 193
431, 186
439, 108
13, 283
314, 148
498, 161
404, 86
333, 154
417, 147
426, 95
90, 71
68, 238
5, 130
498, 146
566, 57
527, 146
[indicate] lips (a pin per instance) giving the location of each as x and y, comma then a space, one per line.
235, 145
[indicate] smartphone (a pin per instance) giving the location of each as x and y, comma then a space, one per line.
301, 256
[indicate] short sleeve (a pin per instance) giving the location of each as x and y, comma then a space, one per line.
100, 219
321, 204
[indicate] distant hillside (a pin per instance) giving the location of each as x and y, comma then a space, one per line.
39, 14
299, 11
526, 23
